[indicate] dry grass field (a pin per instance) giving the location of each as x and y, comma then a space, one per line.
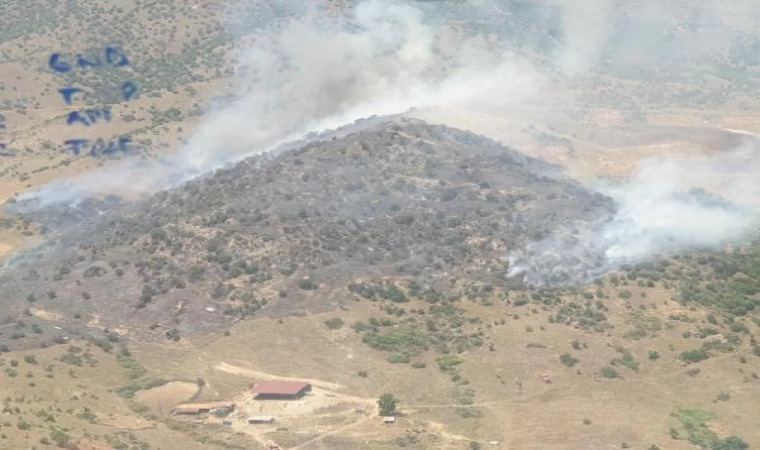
513, 404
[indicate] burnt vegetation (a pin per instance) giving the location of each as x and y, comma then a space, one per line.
399, 199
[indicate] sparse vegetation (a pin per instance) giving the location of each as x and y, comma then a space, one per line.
468, 412
626, 359
694, 356
335, 323
404, 341
399, 358
132, 368
129, 390
568, 360
699, 434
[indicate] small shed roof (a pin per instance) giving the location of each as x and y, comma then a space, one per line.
389, 419
261, 419
204, 406
279, 387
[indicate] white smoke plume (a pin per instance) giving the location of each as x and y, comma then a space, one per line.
313, 76
659, 212
668, 206
313, 72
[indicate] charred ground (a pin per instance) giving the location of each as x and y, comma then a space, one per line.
295, 232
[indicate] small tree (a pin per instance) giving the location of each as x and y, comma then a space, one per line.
387, 403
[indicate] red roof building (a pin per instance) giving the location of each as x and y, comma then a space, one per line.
280, 390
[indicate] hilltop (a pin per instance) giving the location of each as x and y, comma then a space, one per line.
291, 232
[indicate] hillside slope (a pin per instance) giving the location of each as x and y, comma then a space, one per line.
289, 232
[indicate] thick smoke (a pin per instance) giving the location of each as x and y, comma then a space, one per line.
314, 75
703, 202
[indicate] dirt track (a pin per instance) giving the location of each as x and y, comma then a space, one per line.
235, 370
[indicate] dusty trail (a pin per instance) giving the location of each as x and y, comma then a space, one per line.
236, 370
374, 414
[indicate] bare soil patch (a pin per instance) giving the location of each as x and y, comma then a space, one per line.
161, 399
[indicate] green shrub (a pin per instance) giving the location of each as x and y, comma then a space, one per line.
133, 369
360, 327
132, 388
695, 423
468, 412
608, 372
568, 360
626, 360
222, 412
334, 323
399, 358
694, 356
405, 340
60, 437
447, 363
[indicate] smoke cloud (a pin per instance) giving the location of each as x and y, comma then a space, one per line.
663, 209
314, 71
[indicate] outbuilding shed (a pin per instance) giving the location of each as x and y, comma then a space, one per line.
260, 419
280, 390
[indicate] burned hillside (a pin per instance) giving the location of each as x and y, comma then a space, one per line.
290, 232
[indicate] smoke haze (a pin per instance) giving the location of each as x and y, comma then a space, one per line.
387, 59
313, 72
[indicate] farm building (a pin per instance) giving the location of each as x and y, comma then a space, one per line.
260, 419
280, 390
200, 408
